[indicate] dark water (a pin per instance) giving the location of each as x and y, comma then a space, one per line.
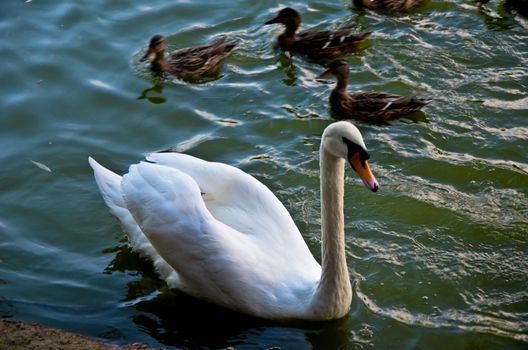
439, 256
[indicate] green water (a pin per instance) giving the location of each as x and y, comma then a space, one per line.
438, 256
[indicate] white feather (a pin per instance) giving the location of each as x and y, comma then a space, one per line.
42, 166
329, 41
387, 105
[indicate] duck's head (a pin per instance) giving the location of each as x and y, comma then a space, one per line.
287, 16
343, 140
157, 45
336, 68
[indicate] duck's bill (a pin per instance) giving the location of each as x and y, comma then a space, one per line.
364, 172
271, 21
146, 57
325, 74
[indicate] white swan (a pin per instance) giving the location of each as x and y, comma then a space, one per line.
219, 234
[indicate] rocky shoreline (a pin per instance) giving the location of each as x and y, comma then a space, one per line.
16, 335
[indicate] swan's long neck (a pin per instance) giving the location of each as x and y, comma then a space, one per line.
334, 293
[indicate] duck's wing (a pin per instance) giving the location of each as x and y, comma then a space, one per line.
195, 50
204, 57
411, 103
326, 42
387, 5
188, 63
379, 105
370, 101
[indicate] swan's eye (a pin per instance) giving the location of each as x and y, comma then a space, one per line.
354, 148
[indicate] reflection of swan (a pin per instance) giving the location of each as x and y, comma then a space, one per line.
217, 233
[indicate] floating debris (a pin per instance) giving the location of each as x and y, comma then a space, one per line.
101, 84
42, 166
260, 157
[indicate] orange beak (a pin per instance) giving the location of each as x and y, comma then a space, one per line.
364, 172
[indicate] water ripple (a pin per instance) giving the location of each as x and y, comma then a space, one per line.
498, 324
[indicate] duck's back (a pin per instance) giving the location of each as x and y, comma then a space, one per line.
197, 61
388, 5
374, 106
326, 43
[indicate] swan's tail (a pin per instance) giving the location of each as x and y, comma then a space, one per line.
109, 184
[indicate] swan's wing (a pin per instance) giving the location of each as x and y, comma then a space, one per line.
244, 204
214, 261
109, 184
167, 205
238, 200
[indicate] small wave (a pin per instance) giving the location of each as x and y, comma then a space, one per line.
453, 318
519, 104
497, 207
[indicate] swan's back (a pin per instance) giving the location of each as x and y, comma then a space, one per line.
235, 197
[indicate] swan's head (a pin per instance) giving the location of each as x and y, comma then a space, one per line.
342, 139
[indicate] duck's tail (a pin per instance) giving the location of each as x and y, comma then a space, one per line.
358, 37
230, 45
411, 103
346, 36
109, 184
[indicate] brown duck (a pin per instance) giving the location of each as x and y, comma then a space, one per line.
315, 44
387, 5
373, 107
189, 63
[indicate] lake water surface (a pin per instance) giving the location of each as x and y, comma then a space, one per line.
438, 256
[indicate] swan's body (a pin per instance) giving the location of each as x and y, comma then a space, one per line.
219, 234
